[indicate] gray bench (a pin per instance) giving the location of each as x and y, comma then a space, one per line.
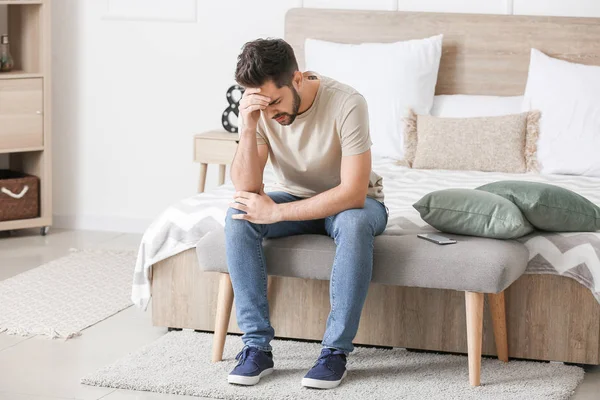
474, 265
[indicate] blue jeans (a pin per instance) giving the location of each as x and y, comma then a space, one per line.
353, 232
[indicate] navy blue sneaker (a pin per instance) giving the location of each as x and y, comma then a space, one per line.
252, 365
328, 371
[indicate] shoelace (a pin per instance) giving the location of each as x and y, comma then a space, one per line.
243, 355
326, 353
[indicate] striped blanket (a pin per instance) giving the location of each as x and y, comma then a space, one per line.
576, 255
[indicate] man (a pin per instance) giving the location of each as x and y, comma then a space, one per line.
316, 131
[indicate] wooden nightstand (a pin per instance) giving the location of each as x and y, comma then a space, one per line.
214, 147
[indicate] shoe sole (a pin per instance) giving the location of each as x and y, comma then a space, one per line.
248, 380
319, 384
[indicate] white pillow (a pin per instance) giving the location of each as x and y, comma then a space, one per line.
470, 106
568, 96
393, 78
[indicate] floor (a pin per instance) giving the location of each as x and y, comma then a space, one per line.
38, 368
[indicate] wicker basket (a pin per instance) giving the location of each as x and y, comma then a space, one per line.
19, 195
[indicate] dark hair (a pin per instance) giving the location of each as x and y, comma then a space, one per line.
266, 59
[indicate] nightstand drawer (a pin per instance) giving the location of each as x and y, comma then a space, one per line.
21, 119
214, 151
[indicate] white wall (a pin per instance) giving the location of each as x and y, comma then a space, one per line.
573, 8
577, 8
129, 95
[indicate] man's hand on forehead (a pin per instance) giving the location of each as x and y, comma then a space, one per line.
252, 100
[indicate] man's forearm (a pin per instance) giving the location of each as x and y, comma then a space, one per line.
246, 173
324, 204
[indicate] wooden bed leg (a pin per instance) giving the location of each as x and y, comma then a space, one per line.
224, 304
474, 307
498, 310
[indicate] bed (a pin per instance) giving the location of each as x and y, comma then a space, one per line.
553, 311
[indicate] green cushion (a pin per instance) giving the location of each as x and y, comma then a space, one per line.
549, 207
473, 212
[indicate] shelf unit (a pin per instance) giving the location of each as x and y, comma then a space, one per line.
25, 101
7, 2
20, 74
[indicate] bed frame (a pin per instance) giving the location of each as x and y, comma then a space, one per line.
549, 317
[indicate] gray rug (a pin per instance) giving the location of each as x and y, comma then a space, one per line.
179, 363
64, 296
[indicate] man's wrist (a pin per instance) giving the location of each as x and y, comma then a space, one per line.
280, 212
248, 132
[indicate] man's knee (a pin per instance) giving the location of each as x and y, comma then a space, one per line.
353, 222
238, 226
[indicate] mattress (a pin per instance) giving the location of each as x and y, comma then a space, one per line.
573, 254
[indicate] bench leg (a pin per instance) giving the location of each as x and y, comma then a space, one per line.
474, 306
498, 309
224, 304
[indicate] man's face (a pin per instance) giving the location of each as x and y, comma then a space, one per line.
285, 102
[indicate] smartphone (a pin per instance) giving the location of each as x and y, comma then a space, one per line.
436, 238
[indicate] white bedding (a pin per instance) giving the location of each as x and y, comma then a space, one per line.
576, 255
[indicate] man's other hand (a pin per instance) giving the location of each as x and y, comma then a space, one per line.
259, 208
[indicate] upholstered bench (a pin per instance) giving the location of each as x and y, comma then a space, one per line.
474, 265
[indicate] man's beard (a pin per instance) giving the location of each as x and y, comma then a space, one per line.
295, 107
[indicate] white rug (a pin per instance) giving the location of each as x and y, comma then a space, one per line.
67, 295
179, 363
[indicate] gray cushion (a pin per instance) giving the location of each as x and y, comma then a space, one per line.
473, 264
473, 212
549, 207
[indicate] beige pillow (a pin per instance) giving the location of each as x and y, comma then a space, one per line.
502, 144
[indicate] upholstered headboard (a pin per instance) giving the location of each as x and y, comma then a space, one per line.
482, 54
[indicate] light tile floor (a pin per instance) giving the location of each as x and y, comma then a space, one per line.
38, 368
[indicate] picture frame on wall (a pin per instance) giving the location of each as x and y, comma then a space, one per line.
152, 10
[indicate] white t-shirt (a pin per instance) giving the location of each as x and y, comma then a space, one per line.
307, 154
